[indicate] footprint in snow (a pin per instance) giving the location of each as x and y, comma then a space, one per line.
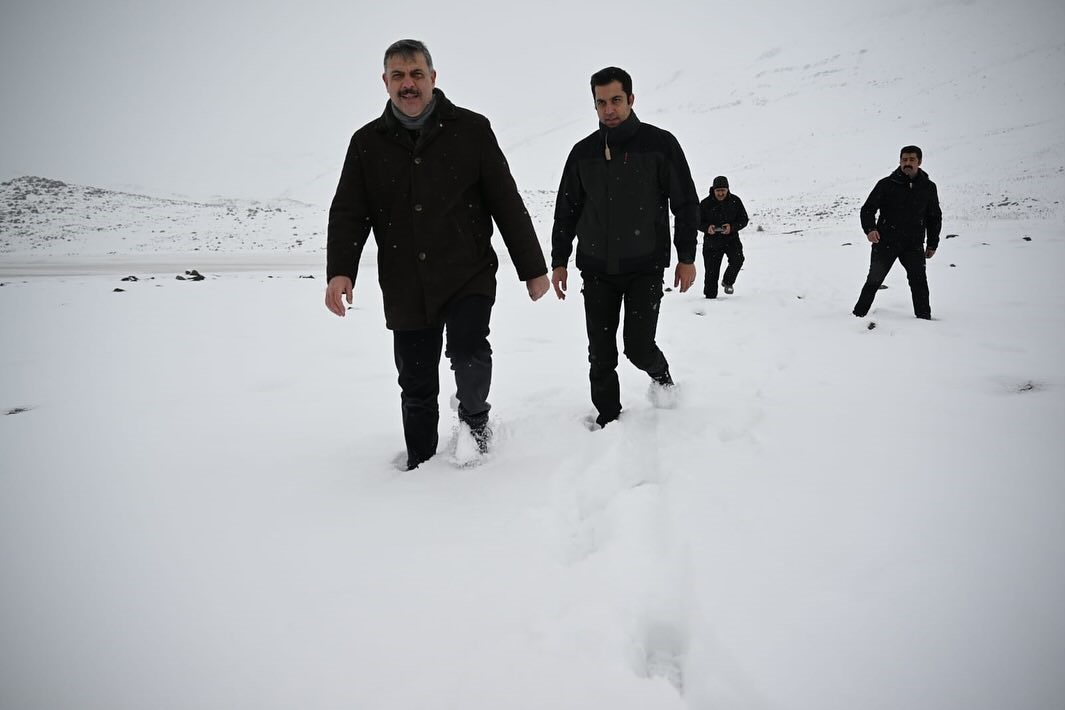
660, 651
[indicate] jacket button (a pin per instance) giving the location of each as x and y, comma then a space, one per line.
418, 160
421, 256
418, 208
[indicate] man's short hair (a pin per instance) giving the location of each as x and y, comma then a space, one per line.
612, 74
407, 48
911, 149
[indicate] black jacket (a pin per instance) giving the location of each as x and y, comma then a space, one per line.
719, 213
619, 208
909, 209
431, 207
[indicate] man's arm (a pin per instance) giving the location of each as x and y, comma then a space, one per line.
933, 221
349, 226
568, 207
742, 220
508, 210
683, 203
704, 216
868, 213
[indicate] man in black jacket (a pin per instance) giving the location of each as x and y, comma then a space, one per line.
618, 187
721, 217
909, 211
428, 177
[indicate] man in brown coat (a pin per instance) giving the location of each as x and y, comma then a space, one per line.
428, 178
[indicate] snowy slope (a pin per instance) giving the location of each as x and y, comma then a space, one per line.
43, 217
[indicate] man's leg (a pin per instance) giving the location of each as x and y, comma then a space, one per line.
602, 313
734, 251
913, 260
417, 355
880, 261
643, 297
467, 322
712, 262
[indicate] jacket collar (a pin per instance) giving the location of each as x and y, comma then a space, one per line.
622, 132
899, 176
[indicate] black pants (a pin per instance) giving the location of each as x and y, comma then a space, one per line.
881, 260
715, 247
418, 363
604, 296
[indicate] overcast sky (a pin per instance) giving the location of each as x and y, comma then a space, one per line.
259, 99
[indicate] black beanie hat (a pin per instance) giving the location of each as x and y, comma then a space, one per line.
720, 181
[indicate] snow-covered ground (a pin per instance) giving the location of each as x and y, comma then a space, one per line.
199, 506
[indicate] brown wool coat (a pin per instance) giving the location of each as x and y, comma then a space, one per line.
430, 207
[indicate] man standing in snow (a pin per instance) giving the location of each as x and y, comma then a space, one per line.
618, 186
429, 178
909, 210
721, 217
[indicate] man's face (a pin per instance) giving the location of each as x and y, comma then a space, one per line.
720, 193
409, 82
909, 162
612, 105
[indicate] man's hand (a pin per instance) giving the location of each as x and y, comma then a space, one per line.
537, 287
726, 228
685, 277
873, 236
338, 286
558, 280
929, 253
711, 229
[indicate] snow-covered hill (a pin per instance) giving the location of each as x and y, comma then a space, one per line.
803, 114
43, 219
40, 217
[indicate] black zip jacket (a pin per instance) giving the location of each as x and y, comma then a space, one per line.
618, 208
719, 213
908, 210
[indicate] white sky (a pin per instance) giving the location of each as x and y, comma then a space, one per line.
258, 99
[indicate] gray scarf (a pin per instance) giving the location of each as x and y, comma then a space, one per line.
418, 122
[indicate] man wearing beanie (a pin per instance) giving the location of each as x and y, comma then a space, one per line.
721, 217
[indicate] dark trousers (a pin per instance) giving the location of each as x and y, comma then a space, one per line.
714, 248
604, 296
881, 260
418, 363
